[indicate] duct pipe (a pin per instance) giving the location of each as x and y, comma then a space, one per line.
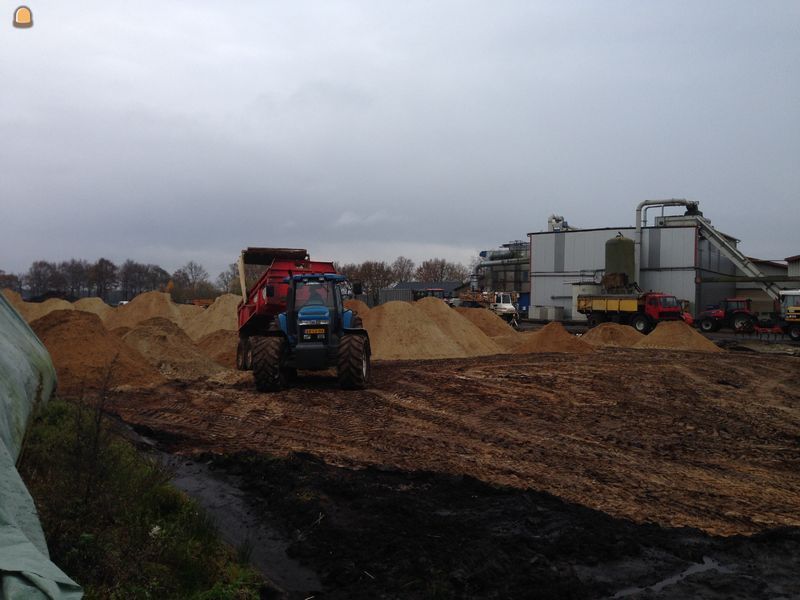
637, 250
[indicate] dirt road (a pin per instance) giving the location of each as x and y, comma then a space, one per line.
680, 439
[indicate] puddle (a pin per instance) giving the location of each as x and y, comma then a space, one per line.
239, 525
708, 564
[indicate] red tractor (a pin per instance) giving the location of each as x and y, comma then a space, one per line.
730, 313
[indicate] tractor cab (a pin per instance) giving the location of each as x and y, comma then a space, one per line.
733, 313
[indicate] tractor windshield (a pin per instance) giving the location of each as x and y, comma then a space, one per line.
790, 300
737, 304
314, 293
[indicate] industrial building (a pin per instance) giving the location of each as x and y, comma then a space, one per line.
505, 270
681, 254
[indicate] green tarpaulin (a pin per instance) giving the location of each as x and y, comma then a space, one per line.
27, 379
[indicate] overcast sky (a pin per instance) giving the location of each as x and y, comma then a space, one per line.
170, 131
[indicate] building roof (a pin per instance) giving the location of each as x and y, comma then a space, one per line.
794, 258
763, 261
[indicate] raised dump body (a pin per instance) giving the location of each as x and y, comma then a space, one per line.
267, 297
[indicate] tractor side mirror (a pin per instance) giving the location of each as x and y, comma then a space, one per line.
270, 289
358, 289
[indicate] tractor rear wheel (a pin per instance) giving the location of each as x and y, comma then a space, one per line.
356, 322
269, 363
641, 323
353, 366
794, 333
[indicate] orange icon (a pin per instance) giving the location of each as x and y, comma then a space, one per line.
23, 18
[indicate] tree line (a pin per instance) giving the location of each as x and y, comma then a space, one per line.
78, 278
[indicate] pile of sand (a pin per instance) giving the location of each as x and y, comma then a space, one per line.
94, 305
220, 346
613, 334
401, 331
357, 306
83, 351
36, 310
165, 345
148, 305
463, 332
222, 314
677, 335
14, 298
552, 338
487, 321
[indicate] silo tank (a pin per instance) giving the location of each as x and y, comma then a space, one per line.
620, 257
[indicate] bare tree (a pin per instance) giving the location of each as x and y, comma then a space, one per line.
10, 281
76, 276
43, 276
403, 269
228, 280
104, 276
439, 269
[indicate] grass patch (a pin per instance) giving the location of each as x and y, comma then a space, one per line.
114, 523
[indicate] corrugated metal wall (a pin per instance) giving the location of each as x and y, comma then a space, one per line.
559, 259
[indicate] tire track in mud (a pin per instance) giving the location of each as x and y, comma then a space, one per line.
709, 441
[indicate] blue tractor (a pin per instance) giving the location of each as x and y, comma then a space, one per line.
316, 332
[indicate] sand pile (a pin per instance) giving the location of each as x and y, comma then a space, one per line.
677, 335
401, 331
148, 305
357, 306
83, 351
487, 321
220, 346
14, 298
165, 345
613, 334
222, 314
36, 310
94, 305
461, 330
552, 338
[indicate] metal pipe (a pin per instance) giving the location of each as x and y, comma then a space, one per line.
637, 248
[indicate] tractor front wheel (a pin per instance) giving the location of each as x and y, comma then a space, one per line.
269, 363
708, 325
353, 365
240, 355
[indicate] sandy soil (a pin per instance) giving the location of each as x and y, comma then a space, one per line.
680, 439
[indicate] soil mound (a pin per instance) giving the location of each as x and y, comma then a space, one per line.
553, 338
120, 331
148, 305
472, 340
220, 346
613, 334
36, 310
486, 320
357, 306
220, 315
83, 351
14, 298
401, 331
94, 305
165, 346
677, 335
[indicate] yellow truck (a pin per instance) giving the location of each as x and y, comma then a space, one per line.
640, 311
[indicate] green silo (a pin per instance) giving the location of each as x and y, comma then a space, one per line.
620, 257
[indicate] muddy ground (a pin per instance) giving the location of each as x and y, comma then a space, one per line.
614, 474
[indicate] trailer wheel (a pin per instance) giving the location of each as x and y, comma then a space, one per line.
353, 365
594, 319
356, 322
794, 333
269, 363
641, 323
